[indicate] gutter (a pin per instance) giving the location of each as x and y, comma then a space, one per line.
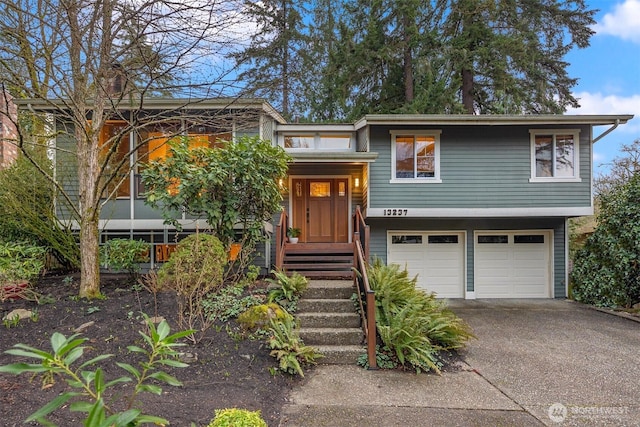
606, 132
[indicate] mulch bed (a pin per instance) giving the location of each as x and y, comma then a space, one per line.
225, 371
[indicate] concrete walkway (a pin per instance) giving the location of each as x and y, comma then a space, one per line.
540, 362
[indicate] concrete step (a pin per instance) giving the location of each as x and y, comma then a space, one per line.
328, 320
325, 305
331, 336
329, 289
340, 354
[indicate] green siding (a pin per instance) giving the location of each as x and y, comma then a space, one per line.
480, 167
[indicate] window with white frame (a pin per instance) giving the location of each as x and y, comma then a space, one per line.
415, 156
318, 141
554, 155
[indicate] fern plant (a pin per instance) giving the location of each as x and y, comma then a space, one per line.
288, 348
411, 322
288, 288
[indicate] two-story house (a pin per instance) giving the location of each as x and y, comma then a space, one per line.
476, 206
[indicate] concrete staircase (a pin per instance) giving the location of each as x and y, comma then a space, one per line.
328, 321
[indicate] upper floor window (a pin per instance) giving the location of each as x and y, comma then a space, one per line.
554, 155
318, 141
415, 156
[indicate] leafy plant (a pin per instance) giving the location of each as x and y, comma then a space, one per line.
237, 418
293, 232
385, 358
20, 262
288, 288
228, 303
288, 348
124, 255
89, 388
410, 322
194, 271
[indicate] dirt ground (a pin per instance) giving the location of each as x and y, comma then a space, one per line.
224, 370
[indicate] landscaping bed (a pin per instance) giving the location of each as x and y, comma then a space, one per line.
225, 369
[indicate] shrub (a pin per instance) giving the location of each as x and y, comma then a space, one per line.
606, 270
124, 255
288, 348
411, 322
91, 388
260, 316
20, 262
194, 270
237, 418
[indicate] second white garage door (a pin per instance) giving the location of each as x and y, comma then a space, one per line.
436, 257
514, 264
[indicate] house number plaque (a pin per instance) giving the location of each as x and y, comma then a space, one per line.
396, 212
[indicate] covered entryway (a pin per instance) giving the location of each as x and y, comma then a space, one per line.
436, 257
320, 209
513, 264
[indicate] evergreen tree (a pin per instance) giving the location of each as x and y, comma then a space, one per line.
272, 64
445, 56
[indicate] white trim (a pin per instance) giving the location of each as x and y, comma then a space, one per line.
576, 154
481, 212
422, 132
470, 295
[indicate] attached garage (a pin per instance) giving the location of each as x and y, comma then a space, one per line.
513, 264
436, 257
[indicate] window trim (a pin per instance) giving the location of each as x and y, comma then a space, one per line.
576, 154
425, 180
317, 137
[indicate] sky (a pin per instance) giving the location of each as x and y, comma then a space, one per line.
609, 74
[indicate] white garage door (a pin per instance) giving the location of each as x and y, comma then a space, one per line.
512, 264
436, 257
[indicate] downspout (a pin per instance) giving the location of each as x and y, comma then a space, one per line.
607, 132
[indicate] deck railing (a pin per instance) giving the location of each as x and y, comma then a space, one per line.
366, 296
281, 239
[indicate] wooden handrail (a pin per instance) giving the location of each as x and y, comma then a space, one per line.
281, 239
361, 282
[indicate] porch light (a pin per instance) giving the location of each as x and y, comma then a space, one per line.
356, 182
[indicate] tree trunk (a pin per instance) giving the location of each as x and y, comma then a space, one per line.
408, 62
88, 175
89, 258
467, 91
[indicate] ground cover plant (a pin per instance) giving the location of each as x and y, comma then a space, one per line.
226, 369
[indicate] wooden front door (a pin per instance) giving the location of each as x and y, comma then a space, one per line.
320, 209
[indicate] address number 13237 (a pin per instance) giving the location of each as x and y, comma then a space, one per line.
395, 212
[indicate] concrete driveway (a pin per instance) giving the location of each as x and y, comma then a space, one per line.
558, 360
535, 362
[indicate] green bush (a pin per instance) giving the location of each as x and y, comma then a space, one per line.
411, 322
606, 270
124, 255
237, 418
193, 271
20, 262
228, 302
260, 316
